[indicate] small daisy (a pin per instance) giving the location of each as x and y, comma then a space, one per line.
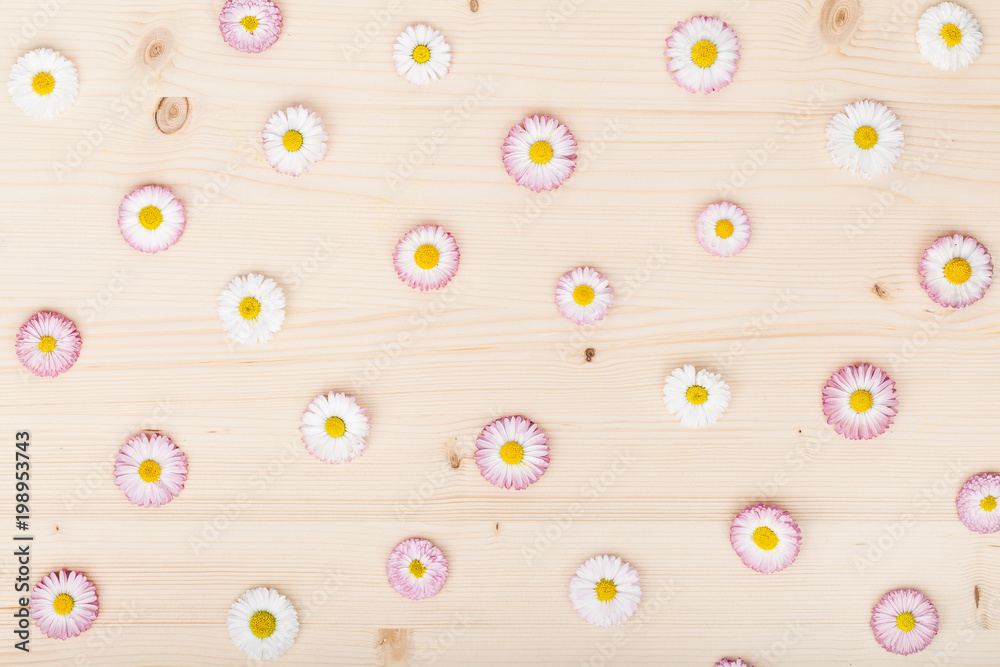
426, 258
605, 591
904, 621
704, 54
948, 36
860, 401
583, 295
765, 538
64, 604
252, 308
48, 344
956, 271
334, 428
250, 26
723, 229
539, 153
42, 83
417, 569
738, 662
698, 399
511, 452
977, 503
263, 623
865, 137
294, 139
150, 470
151, 219
421, 54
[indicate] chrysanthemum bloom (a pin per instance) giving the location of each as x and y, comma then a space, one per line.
948, 36
723, 229
250, 26
421, 54
977, 503
417, 569
539, 153
263, 623
904, 621
511, 452
860, 401
956, 271
64, 604
426, 258
727, 662
866, 138
583, 295
151, 219
294, 139
704, 54
48, 344
697, 399
605, 591
252, 308
150, 470
42, 83
765, 538
334, 428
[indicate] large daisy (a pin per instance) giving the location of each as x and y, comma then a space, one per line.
250, 26
48, 344
866, 138
956, 271
723, 229
294, 139
252, 308
904, 621
539, 153
426, 258
263, 623
696, 398
948, 36
511, 452
421, 54
977, 503
151, 219
42, 83
150, 470
765, 538
334, 428
64, 604
416, 569
605, 591
704, 53
583, 295
860, 401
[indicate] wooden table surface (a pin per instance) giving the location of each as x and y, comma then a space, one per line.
829, 278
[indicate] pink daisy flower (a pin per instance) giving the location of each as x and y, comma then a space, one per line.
150, 470
723, 229
904, 621
250, 26
151, 219
64, 604
417, 569
727, 662
48, 344
977, 503
956, 270
426, 258
539, 153
765, 537
511, 452
583, 295
703, 53
860, 401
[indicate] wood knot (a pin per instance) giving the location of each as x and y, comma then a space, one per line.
171, 114
155, 48
881, 291
392, 645
589, 353
474, 5
838, 19
453, 454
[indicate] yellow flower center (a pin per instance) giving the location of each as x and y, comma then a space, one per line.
262, 624
43, 83
426, 256
861, 400
724, 229
957, 271
249, 308
292, 140
250, 23
63, 604
335, 427
989, 503
906, 622
47, 344
606, 590
865, 137
149, 471
704, 53
150, 217
765, 538
540, 152
583, 295
951, 34
421, 54
512, 453
417, 568
696, 394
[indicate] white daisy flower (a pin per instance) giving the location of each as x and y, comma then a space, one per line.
421, 54
765, 537
151, 218
948, 36
42, 83
334, 428
605, 591
865, 137
263, 623
426, 258
704, 54
698, 399
583, 295
723, 229
294, 139
252, 308
957, 270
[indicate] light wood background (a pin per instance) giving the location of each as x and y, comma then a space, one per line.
829, 278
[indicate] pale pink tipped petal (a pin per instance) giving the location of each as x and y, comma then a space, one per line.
164, 453
601, 294
313, 147
84, 604
265, 33
605, 591
534, 175
765, 557
336, 447
171, 225
977, 503
33, 344
408, 251
943, 291
516, 473
886, 627
417, 582
732, 662
692, 76
849, 422
708, 230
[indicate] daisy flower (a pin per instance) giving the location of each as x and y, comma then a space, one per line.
252, 308
948, 36
426, 258
334, 428
263, 623
904, 621
956, 271
860, 401
250, 26
738, 662
421, 54
150, 470
977, 503
48, 344
42, 83
417, 569
605, 591
151, 219
865, 137
703, 53
539, 153
511, 452
64, 604
583, 295
765, 538
294, 139
723, 229
698, 399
